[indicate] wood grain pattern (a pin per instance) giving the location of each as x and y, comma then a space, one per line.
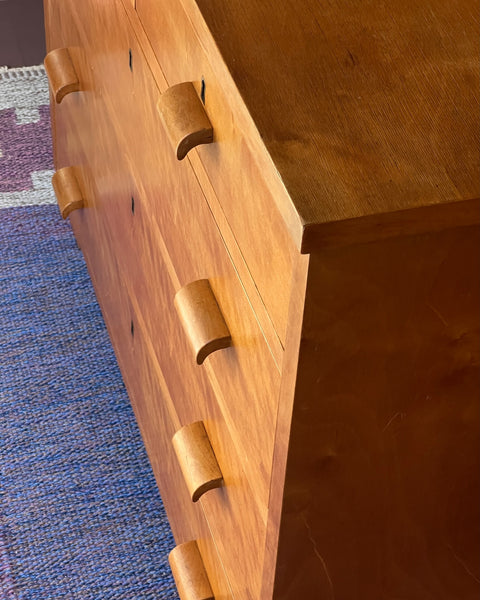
197, 459
95, 230
202, 319
364, 109
62, 76
241, 182
351, 464
185, 118
243, 269
67, 190
189, 572
159, 178
382, 491
137, 243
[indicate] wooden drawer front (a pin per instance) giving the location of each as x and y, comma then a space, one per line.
148, 394
150, 398
127, 235
167, 195
234, 512
180, 224
106, 230
172, 195
232, 169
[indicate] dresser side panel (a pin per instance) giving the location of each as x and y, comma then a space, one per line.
382, 491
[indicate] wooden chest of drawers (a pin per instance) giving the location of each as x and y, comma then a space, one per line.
279, 208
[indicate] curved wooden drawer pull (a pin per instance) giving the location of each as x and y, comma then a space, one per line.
197, 459
67, 190
62, 77
185, 118
202, 319
189, 572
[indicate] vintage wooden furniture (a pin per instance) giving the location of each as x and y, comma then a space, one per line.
279, 206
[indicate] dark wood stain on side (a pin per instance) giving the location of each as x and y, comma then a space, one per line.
382, 491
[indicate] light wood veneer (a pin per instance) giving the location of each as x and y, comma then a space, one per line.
316, 251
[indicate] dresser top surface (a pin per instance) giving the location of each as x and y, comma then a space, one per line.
366, 107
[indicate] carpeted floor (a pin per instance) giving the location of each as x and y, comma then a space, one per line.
80, 517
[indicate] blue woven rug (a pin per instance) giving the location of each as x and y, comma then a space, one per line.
81, 517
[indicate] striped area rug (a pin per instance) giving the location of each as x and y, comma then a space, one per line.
81, 517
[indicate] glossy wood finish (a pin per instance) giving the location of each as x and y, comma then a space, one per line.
67, 190
202, 319
364, 111
185, 118
344, 417
197, 460
62, 76
135, 240
244, 270
244, 185
168, 262
189, 572
74, 126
